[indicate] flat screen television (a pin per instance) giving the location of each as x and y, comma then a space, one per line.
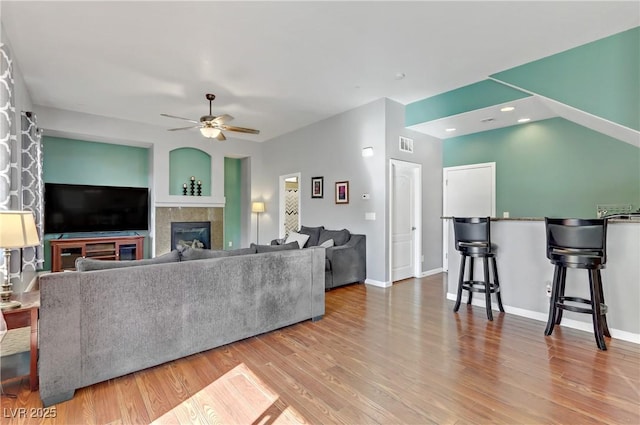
72, 208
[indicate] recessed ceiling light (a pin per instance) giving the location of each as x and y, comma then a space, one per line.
400, 75
507, 109
524, 119
449, 130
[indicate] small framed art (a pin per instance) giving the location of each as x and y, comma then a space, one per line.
317, 187
342, 192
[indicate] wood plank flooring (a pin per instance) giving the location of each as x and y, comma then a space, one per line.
388, 356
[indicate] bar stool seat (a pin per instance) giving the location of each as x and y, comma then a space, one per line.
578, 244
473, 240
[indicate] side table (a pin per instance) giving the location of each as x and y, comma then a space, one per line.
27, 315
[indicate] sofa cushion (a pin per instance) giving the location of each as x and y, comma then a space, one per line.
190, 253
327, 244
89, 264
340, 237
269, 248
297, 237
314, 234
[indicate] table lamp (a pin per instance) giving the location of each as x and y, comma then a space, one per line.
17, 231
257, 207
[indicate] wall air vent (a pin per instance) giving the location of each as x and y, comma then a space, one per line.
406, 144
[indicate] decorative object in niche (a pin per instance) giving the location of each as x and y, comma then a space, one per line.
317, 187
342, 192
192, 189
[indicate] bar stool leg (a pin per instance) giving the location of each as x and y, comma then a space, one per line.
605, 326
471, 266
496, 283
563, 281
595, 309
553, 300
487, 287
463, 261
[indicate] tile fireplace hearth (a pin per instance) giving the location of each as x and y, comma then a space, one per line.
165, 216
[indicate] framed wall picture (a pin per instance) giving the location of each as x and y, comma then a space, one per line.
342, 192
317, 187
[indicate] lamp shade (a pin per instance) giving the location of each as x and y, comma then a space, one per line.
209, 132
18, 229
257, 207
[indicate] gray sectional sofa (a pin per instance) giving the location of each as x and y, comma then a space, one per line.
99, 324
346, 255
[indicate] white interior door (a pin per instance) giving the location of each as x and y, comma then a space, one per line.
404, 223
469, 191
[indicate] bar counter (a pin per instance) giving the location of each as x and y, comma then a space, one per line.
525, 272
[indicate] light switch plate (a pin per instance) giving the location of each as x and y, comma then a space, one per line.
370, 216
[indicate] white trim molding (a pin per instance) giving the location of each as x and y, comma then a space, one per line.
378, 283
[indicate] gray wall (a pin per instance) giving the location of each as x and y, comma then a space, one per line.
428, 153
332, 148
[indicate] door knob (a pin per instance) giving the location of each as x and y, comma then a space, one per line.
413, 227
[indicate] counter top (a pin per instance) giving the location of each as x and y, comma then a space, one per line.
611, 220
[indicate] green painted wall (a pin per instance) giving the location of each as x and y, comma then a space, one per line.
233, 202
468, 98
187, 162
81, 162
552, 168
602, 77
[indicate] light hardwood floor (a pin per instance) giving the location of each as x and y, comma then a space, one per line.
394, 356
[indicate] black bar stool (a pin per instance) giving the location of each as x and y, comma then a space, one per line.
578, 244
473, 240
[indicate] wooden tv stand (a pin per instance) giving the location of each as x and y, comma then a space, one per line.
65, 251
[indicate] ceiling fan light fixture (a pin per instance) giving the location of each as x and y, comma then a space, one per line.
209, 132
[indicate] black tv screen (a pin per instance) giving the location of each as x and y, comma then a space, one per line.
80, 208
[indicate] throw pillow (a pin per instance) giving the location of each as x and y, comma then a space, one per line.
340, 237
90, 264
327, 243
269, 248
297, 237
313, 232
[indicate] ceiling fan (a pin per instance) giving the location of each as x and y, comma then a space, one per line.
211, 126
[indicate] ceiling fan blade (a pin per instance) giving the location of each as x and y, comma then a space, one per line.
221, 137
238, 129
183, 128
180, 118
222, 119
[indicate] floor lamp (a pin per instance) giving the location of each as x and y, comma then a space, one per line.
257, 207
17, 230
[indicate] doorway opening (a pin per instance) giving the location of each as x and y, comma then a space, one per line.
290, 208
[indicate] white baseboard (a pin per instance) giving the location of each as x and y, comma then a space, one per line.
378, 283
431, 272
543, 317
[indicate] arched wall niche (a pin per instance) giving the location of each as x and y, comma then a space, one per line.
185, 163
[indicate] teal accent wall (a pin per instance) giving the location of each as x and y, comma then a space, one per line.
187, 162
602, 77
233, 202
552, 168
464, 99
80, 162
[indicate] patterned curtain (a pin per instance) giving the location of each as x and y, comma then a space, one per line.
32, 186
9, 172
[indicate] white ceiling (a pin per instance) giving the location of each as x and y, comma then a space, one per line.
278, 66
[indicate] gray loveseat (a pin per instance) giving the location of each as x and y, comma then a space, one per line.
346, 260
101, 324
